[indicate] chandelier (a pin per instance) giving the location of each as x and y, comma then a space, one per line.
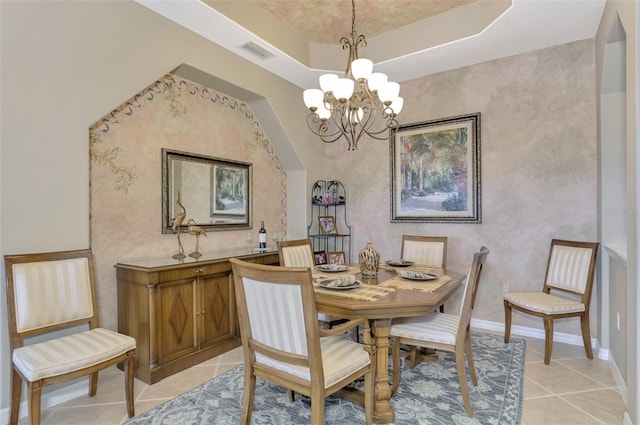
362, 102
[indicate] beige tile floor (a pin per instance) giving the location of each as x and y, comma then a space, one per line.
572, 390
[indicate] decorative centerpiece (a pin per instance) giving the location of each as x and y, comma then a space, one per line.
369, 259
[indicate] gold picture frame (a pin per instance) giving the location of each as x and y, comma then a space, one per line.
327, 225
336, 257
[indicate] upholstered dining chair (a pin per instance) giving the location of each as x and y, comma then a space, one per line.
282, 342
299, 253
47, 292
296, 253
443, 331
566, 292
427, 250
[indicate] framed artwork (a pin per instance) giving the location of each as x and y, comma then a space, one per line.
336, 257
327, 225
320, 257
435, 171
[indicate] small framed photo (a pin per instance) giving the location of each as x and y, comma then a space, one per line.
327, 225
336, 257
327, 197
320, 257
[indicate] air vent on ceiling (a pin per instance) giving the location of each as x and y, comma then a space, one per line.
257, 50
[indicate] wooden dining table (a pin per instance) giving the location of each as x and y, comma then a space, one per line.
396, 303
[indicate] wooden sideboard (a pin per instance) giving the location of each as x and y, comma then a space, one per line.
181, 313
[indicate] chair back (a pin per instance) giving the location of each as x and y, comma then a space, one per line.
470, 291
49, 291
571, 267
296, 253
277, 318
428, 250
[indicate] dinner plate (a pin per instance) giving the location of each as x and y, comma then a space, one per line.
332, 268
416, 275
400, 263
327, 282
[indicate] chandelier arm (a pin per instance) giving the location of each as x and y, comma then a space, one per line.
313, 120
392, 127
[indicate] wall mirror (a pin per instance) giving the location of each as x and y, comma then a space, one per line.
214, 192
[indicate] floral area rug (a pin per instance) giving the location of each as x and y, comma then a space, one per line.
428, 394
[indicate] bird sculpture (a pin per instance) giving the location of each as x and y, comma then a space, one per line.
175, 226
196, 231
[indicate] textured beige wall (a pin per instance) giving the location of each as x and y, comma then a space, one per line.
539, 168
85, 59
181, 115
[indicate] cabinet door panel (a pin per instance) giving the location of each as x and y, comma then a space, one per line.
217, 309
176, 319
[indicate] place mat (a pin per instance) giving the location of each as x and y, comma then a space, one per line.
364, 292
424, 286
418, 267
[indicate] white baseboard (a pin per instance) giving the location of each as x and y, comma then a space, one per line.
617, 376
50, 398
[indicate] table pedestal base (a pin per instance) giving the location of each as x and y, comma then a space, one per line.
382, 413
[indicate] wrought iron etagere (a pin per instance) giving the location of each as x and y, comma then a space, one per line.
329, 198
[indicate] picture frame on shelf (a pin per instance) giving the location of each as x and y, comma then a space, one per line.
320, 257
327, 225
327, 197
336, 257
435, 171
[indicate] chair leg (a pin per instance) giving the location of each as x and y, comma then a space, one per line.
464, 389
35, 394
129, 365
16, 393
507, 321
395, 354
548, 339
317, 407
291, 395
247, 396
586, 334
472, 368
413, 356
93, 384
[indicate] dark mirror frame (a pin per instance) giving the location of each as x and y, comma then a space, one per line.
217, 196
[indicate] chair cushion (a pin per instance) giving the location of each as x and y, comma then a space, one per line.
65, 282
569, 268
298, 256
340, 357
423, 252
70, 353
543, 303
436, 327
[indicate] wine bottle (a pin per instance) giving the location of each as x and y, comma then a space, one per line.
262, 237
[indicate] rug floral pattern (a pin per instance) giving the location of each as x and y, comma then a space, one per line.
428, 394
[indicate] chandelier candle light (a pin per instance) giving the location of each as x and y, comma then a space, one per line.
362, 102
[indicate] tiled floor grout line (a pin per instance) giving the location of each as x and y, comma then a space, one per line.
583, 374
581, 410
552, 394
